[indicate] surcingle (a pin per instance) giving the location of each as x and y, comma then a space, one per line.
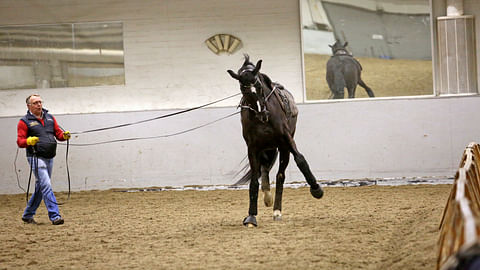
286, 100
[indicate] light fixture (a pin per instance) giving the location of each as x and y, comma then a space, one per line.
223, 43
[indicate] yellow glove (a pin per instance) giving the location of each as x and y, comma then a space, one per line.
66, 135
32, 140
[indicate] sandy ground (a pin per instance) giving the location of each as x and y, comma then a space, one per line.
387, 78
370, 227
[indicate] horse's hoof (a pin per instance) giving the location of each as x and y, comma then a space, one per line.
250, 221
267, 198
277, 215
317, 193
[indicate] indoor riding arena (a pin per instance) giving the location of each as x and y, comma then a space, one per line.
170, 116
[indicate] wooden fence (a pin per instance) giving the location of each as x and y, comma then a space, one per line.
459, 242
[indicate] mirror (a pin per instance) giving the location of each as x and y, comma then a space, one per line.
390, 39
61, 55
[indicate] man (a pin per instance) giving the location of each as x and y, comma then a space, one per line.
37, 131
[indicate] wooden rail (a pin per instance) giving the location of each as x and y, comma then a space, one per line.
459, 240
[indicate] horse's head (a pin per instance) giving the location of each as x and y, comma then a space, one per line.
338, 48
247, 75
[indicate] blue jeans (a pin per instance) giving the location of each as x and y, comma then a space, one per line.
43, 189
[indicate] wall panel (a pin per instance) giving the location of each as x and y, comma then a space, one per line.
166, 59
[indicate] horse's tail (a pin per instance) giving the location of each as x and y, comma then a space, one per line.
266, 159
246, 177
338, 85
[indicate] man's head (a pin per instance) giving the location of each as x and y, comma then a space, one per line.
34, 104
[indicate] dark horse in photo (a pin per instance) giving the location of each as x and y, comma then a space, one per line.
269, 117
344, 71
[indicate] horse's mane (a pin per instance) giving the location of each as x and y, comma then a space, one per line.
266, 80
246, 64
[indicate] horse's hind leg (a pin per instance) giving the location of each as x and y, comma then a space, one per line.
351, 91
315, 188
267, 160
267, 195
367, 89
351, 81
277, 208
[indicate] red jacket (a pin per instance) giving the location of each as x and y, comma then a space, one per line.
22, 131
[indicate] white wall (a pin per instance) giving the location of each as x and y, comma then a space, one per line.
399, 137
344, 140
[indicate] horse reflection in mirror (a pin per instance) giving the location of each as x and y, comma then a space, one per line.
269, 117
344, 71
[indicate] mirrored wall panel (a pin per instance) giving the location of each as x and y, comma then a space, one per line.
387, 52
62, 55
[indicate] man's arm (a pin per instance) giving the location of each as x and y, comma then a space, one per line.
58, 130
22, 131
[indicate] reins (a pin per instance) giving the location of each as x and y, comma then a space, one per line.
155, 137
154, 118
35, 158
34, 164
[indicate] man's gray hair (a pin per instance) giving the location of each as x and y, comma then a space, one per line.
32, 95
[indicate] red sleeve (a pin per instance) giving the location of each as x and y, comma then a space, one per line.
58, 130
22, 132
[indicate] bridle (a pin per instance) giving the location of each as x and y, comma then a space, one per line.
341, 51
246, 89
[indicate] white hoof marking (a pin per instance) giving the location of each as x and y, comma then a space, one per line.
277, 215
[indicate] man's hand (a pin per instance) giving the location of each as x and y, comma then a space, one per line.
32, 140
67, 135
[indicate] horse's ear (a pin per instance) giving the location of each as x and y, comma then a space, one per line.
233, 74
257, 67
345, 45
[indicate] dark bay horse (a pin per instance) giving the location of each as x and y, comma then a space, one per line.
344, 71
269, 117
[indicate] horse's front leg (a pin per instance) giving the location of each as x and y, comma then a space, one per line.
251, 220
277, 208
